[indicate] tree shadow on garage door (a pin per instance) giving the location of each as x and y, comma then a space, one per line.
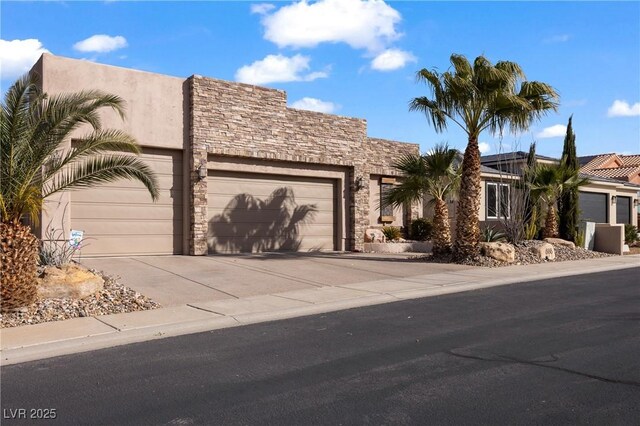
249, 224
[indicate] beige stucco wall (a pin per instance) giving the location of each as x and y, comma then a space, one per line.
154, 102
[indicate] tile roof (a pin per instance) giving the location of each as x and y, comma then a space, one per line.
629, 169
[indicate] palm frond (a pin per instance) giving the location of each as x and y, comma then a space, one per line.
102, 169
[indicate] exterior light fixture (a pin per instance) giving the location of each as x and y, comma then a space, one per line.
359, 184
635, 202
613, 199
202, 170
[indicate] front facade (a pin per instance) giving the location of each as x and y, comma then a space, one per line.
603, 200
238, 170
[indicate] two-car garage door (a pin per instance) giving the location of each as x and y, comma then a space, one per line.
251, 212
120, 218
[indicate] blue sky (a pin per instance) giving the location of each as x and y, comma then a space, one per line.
359, 58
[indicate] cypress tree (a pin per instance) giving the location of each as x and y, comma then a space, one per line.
568, 202
527, 176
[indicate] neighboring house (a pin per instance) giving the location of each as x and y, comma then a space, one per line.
495, 197
613, 166
603, 200
238, 170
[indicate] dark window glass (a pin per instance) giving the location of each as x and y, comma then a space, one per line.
505, 201
492, 200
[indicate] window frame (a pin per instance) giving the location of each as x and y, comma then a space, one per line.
499, 206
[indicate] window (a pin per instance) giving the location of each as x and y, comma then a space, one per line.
386, 212
498, 200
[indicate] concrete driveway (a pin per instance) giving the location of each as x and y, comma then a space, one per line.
177, 280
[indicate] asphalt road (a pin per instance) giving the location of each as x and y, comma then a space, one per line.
560, 351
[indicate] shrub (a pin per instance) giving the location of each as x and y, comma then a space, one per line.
630, 234
421, 229
55, 250
392, 233
492, 235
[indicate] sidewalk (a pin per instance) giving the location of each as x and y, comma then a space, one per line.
33, 342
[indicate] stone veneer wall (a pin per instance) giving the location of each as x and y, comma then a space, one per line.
240, 120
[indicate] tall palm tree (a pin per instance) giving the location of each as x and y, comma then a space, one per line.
435, 175
549, 182
479, 97
36, 161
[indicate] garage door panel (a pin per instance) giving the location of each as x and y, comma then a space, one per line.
110, 245
219, 204
120, 218
123, 211
245, 227
126, 196
127, 227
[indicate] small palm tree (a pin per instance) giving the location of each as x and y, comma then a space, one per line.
36, 162
479, 97
433, 175
548, 184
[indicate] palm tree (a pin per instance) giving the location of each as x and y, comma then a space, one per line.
479, 97
434, 175
549, 182
36, 161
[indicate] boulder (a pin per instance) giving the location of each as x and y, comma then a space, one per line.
500, 251
374, 235
70, 280
560, 242
544, 251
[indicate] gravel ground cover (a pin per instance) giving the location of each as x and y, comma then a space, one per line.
115, 298
524, 256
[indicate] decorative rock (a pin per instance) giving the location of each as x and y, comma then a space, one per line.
374, 235
70, 281
544, 251
560, 242
500, 251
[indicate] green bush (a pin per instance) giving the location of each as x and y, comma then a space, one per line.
630, 234
392, 233
492, 235
421, 229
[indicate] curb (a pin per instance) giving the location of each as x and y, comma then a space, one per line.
112, 336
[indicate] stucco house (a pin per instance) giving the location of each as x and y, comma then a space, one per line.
238, 170
604, 200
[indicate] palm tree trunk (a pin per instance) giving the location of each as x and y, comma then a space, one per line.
551, 223
467, 220
18, 259
441, 230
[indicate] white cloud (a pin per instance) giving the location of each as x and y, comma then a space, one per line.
18, 56
362, 24
558, 38
313, 104
278, 69
262, 8
553, 131
623, 109
484, 147
392, 59
101, 43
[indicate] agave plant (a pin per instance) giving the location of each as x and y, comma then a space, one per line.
37, 160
